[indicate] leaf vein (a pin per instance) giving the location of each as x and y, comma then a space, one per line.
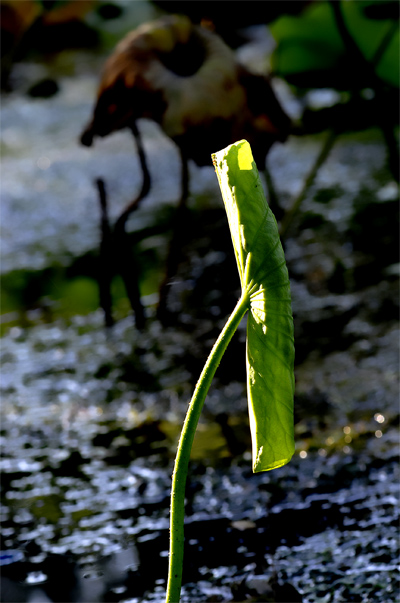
272, 349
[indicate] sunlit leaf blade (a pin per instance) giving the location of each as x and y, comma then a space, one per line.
264, 279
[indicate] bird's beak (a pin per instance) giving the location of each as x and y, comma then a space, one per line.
87, 136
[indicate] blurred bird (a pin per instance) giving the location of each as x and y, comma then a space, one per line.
186, 79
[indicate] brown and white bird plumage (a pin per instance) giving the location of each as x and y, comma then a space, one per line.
185, 78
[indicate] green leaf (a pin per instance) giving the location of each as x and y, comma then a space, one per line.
310, 51
375, 38
265, 282
308, 46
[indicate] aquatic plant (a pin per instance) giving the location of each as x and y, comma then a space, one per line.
270, 345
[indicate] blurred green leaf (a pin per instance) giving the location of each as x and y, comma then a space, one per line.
311, 52
378, 39
307, 44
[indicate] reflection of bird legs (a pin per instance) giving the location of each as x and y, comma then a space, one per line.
115, 246
125, 260
105, 272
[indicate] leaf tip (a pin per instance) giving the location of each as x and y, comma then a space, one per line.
241, 150
245, 156
259, 465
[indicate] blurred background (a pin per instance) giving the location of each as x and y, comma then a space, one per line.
91, 415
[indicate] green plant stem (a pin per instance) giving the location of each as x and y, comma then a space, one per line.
185, 446
321, 158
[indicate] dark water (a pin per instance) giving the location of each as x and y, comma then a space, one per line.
90, 418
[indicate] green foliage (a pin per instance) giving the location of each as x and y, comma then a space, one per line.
265, 282
378, 39
307, 44
312, 53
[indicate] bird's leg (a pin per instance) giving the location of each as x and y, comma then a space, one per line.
175, 247
124, 256
133, 205
105, 260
